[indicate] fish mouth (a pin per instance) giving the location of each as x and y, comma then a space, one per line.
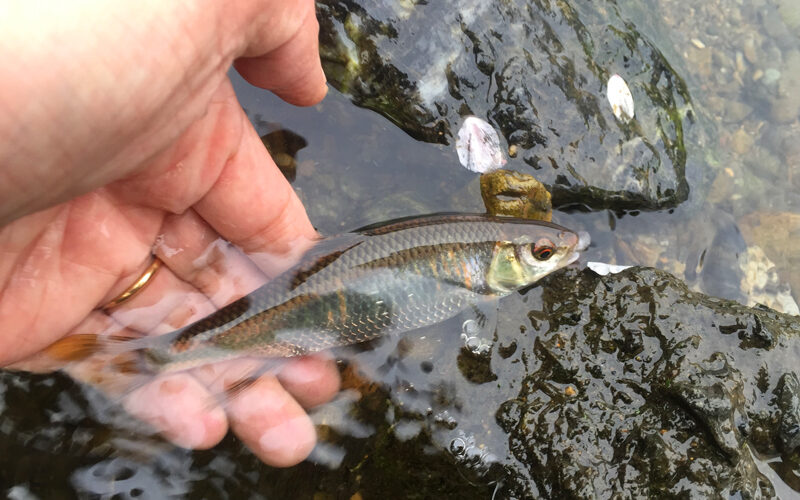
572, 258
583, 241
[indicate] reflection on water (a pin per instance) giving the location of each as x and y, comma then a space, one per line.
422, 413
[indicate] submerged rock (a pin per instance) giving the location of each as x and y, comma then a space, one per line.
283, 145
537, 70
778, 235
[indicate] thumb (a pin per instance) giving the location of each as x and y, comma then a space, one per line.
292, 69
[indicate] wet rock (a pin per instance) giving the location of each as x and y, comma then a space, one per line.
627, 382
668, 393
519, 195
789, 407
535, 70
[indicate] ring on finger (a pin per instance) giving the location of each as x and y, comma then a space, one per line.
136, 287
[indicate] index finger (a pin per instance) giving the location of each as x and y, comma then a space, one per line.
253, 206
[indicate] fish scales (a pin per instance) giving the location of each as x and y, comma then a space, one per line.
357, 300
376, 281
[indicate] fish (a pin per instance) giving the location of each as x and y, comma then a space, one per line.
379, 280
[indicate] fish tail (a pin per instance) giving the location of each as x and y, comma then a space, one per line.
126, 354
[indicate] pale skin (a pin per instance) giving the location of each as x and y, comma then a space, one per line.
120, 135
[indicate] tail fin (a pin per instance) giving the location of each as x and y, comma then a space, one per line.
126, 355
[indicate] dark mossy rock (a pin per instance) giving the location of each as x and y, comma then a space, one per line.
678, 392
537, 70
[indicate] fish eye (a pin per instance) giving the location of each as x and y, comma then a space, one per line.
543, 253
543, 249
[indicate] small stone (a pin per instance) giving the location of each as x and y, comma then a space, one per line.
697, 43
700, 61
778, 234
741, 141
789, 11
740, 67
749, 51
722, 188
737, 111
773, 24
569, 391
771, 75
785, 109
757, 74
761, 284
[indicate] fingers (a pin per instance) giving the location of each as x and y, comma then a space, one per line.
166, 303
253, 206
283, 53
192, 253
181, 408
222, 169
192, 250
312, 380
272, 424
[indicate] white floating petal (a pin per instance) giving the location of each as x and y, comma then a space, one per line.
478, 146
604, 269
620, 98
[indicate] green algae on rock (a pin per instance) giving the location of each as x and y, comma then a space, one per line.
506, 192
537, 70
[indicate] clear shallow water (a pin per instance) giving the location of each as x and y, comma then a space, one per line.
60, 440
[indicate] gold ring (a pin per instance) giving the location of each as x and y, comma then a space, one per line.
137, 286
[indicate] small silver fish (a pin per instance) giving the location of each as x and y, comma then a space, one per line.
388, 278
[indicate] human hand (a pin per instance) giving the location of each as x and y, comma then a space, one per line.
137, 135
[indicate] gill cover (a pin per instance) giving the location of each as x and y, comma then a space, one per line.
506, 272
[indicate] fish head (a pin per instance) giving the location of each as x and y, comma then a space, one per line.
530, 251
